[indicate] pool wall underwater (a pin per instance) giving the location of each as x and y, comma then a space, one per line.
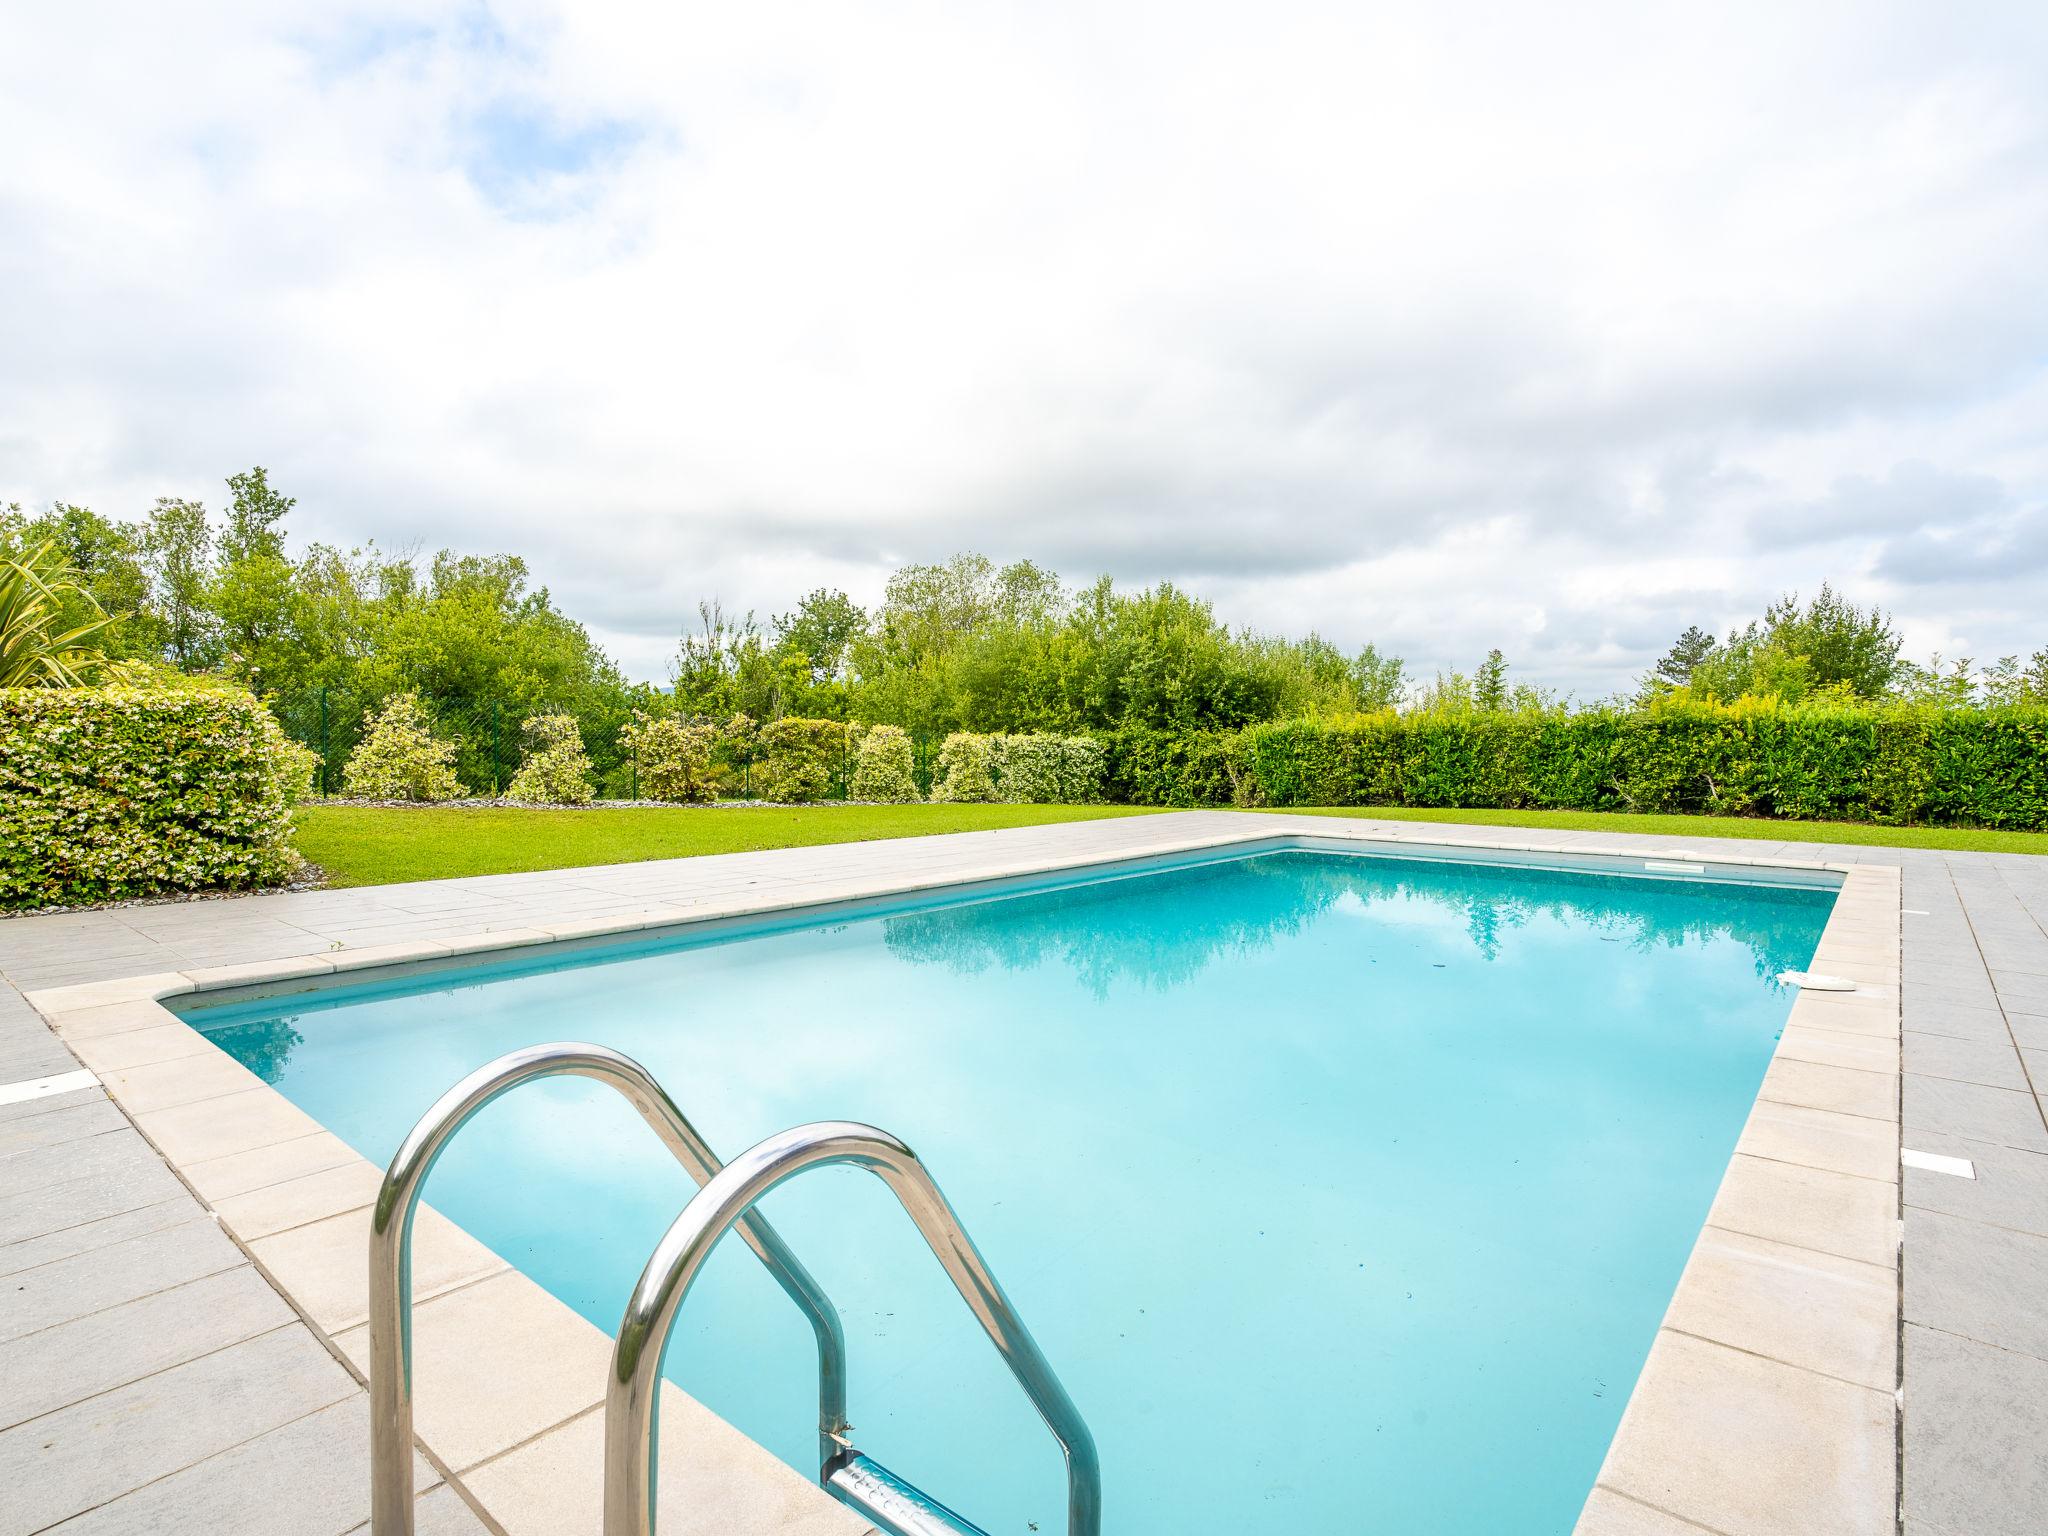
541, 1466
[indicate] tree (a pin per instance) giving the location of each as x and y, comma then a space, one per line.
821, 631
1854, 647
255, 517
252, 589
2007, 683
177, 551
1686, 653
1490, 683
1380, 680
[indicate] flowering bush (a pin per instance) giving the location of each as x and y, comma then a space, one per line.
674, 760
883, 767
113, 793
557, 769
1035, 770
964, 772
796, 758
400, 757
1048, 770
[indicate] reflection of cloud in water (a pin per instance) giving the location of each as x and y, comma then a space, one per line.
1261, 900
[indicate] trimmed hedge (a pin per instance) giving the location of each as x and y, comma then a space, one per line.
1048, 770
1020, 770
108, 794
1895, 765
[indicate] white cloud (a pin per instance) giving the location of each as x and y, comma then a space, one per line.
1440, 326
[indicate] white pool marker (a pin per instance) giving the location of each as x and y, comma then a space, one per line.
1934, 1162
1810, 981
43, 1087
1914, 912
1668, 867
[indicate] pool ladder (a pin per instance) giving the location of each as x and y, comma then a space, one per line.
725, 1198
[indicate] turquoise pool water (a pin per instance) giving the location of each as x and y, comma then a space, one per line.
1344, 1193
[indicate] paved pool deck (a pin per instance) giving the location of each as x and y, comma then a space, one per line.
152, 1379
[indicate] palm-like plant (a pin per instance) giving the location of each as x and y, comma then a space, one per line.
34, 652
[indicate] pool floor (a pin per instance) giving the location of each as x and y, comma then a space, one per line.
1344, 1193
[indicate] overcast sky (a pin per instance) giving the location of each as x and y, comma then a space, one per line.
1442, 326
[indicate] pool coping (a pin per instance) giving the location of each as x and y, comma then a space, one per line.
1770, 1390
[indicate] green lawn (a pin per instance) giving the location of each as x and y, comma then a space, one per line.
360, 845
1956, 838
366, 845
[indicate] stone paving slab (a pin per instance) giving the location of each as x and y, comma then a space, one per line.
1976, 1422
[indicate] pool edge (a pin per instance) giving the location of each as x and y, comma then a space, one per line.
1865, 917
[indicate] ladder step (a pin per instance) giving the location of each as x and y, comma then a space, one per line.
895, 1506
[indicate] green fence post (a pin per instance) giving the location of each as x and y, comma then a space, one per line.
323, 740
495, 770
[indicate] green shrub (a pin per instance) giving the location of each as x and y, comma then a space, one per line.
884, 767
674, 759
796, 759
1047, 770
557, 769
1143, 766
108, 794
965, 770
400, 757
296, 765
1893, 764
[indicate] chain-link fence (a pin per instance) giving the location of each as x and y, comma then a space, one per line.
488, 749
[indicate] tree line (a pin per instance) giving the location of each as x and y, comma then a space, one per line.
961, 645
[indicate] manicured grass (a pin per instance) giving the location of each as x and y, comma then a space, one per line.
366, 845
360, 845
1966, 839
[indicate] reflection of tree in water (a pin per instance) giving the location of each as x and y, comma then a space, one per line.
264, 1046
1251, 905
1254, 902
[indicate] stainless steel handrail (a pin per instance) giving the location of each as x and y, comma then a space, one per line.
391, 1481
633, 1391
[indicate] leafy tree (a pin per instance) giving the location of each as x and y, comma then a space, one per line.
1379, 679
253, 589
1826, 648
2007, 683
1853, 647
256, 516
177, 550
821, 630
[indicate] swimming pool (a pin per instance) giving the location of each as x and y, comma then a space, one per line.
1343, 1192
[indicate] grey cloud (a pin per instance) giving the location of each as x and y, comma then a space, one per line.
1984, 550
1910, 497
